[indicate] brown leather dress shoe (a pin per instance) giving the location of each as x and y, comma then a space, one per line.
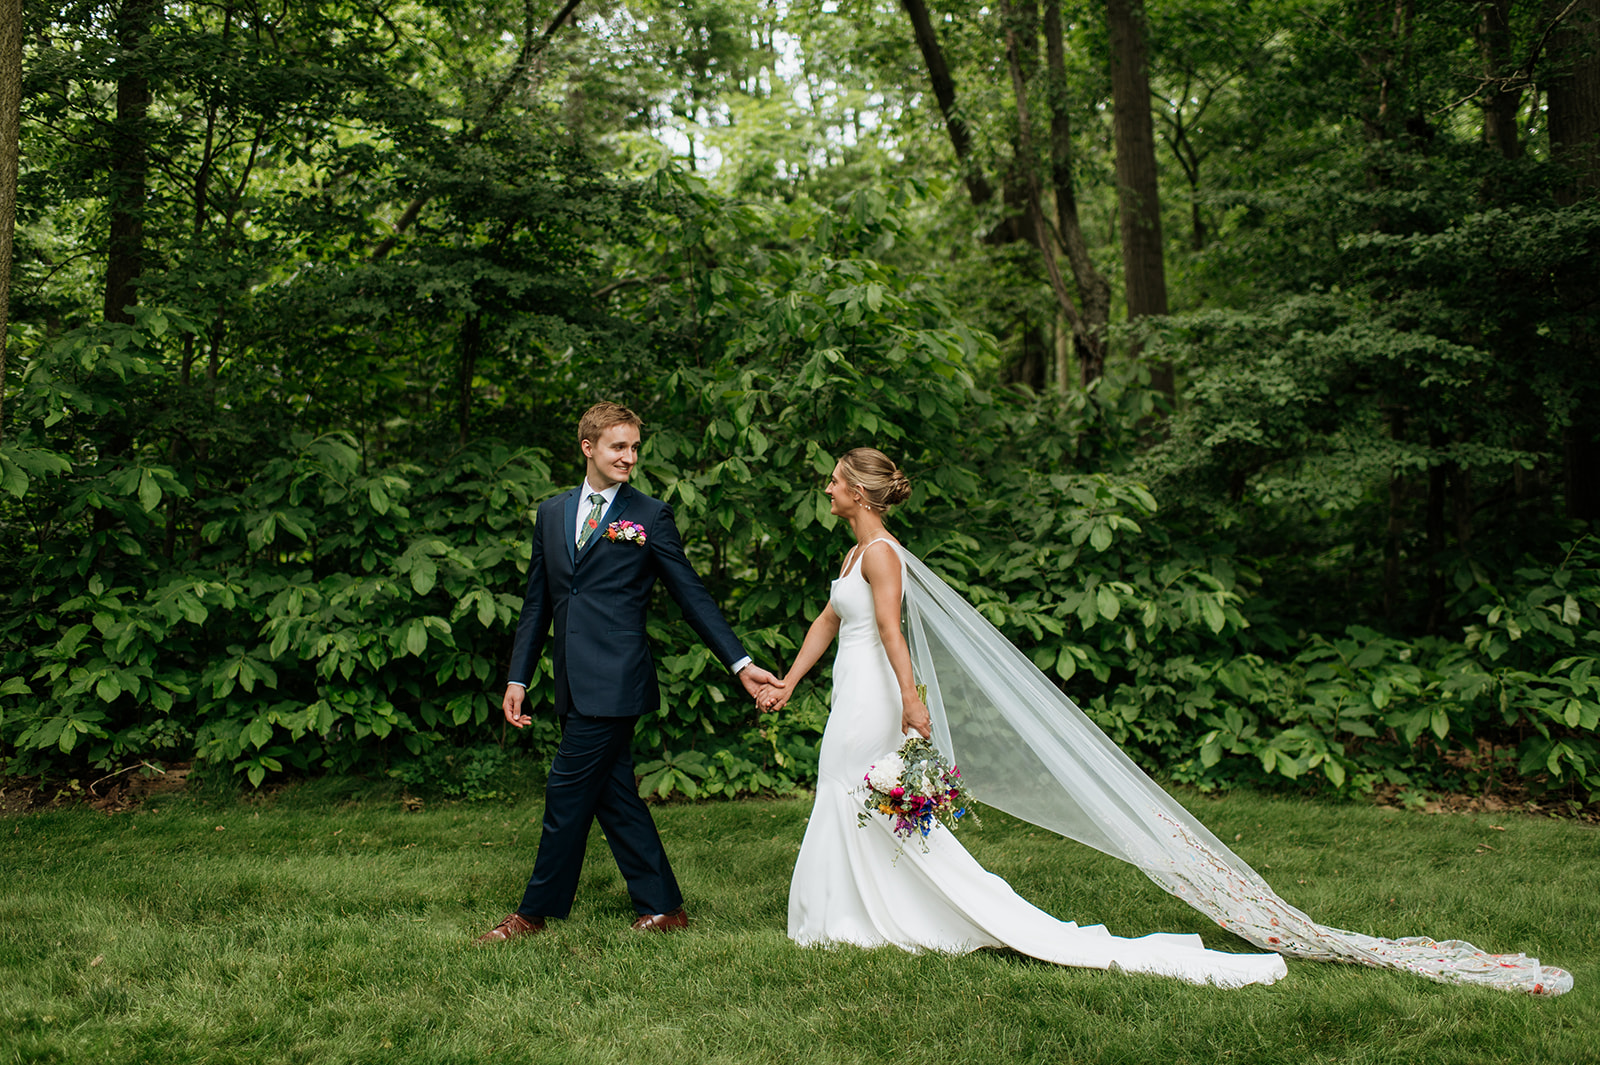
513, 926
676, 921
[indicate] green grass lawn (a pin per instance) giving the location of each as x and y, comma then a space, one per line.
316, 927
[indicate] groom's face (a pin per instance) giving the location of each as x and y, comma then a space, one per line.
613, 456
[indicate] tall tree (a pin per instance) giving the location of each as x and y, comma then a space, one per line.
1574, 101
129, 159
10, 126
1094, 291
1139, 200
1502, 97
1573, 95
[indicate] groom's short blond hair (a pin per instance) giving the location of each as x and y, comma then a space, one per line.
602, 416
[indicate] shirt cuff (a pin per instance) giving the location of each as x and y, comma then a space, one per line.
518, 683
739, 665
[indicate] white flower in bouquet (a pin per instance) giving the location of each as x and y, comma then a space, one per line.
886, 774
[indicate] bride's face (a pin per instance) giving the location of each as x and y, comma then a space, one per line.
840, 501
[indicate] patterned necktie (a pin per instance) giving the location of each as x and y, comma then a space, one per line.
592, 522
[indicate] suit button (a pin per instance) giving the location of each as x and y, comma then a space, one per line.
574, 591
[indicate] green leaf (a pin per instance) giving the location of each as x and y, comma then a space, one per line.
1066, 664
1212, 611
149, 491
1088, 611
423, 576
1100, 536
417, 638
1107, 603
1334, 772
1440, 722
12, 479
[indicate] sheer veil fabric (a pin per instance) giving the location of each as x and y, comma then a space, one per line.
1025, 748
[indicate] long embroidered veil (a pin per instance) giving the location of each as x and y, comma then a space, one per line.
1025, 748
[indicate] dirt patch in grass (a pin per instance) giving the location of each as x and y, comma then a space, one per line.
112, 793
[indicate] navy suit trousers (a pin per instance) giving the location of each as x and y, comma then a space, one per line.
591, 779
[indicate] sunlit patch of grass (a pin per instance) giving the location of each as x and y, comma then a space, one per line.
331, 926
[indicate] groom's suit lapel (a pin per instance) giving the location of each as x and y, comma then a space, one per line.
618, 505
569, 518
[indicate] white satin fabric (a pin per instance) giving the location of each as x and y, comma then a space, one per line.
849, 886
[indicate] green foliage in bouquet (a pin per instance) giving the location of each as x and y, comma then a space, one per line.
917, 789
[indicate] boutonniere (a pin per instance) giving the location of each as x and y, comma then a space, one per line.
625, 530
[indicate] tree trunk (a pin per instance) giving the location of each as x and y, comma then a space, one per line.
1501, 102
1394, 538
128, 162
471, 343
1573, 94
10, 128
1035, 196
1032, 365
1094, 291
944, 91
1438, 486
1139, 202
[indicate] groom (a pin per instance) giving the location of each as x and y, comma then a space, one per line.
597, 551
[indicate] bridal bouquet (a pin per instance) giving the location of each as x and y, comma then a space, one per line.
918, 788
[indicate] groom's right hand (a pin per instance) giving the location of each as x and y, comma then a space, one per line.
512, 705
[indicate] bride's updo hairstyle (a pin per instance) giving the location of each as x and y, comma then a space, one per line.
876, 477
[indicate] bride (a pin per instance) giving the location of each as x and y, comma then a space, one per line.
1023, 747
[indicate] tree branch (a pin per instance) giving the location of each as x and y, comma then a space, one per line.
604, 291
531, 48
1520, 78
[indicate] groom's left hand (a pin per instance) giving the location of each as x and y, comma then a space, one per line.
754, 679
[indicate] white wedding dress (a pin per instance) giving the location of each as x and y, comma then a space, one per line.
849, 887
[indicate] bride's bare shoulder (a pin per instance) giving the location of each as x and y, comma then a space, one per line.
883, 562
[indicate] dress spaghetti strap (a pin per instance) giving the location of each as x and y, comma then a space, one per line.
853, 561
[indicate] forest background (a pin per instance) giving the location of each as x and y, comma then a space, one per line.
1243, 356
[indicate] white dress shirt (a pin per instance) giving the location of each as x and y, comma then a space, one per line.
584, 506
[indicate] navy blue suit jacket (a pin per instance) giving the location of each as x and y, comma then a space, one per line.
591, 604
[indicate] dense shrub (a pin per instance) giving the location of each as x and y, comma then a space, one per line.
271, 600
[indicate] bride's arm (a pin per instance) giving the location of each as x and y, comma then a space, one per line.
821, 634
882, 571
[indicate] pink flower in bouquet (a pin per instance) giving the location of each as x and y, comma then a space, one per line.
897, 792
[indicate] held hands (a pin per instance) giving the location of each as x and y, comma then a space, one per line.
774, 697
760, 684
512, 705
